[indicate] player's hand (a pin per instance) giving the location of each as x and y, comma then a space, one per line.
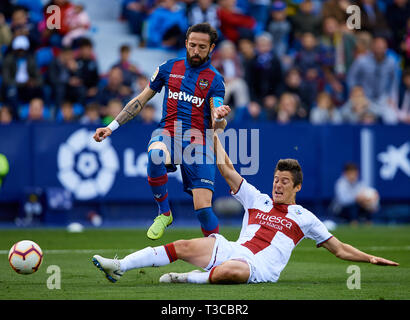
102, 133
221, 112
382, 262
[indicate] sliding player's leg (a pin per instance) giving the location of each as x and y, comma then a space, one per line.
195, 251
158, 158
227, 264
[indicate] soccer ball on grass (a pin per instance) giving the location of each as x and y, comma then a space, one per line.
25, 257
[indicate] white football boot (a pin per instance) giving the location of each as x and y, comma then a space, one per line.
174, 277
111, 267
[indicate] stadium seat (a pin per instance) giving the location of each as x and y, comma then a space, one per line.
44, 56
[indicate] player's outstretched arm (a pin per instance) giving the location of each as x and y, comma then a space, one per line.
347, 252
225, 166
131, 109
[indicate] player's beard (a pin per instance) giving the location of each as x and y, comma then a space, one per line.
196, 61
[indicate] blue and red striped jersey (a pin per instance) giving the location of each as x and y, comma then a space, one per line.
190, 92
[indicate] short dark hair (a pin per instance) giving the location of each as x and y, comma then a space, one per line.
293, 166
125, 48
85, 42
204, 28
350, 166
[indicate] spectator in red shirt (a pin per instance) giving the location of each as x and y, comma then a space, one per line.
233, 24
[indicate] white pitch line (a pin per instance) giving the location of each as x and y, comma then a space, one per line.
67, 251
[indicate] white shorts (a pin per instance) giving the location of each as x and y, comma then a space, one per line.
225, 250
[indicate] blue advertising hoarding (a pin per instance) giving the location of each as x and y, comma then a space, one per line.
62, 155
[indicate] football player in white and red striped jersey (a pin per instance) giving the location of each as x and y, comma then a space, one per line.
271, 229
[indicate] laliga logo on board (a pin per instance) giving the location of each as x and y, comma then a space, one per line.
85, 167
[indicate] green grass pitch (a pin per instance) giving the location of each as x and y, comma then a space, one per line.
310, 274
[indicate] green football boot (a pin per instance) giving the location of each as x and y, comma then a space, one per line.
158, 227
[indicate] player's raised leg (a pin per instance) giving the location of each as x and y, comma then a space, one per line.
158, 156
195, 251
203, 209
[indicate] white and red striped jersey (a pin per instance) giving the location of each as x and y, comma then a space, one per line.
271, 231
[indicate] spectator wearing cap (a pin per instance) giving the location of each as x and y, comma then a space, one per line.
21, 77
21, 26
280, 28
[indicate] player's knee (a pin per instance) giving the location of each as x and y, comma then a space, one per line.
224, 274
156, 156
202, 203
183, 248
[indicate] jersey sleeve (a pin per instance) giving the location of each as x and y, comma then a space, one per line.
246, 194
218, 93
157, 80
318, 232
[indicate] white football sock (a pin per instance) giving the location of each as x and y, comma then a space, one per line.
198, 277
148, 257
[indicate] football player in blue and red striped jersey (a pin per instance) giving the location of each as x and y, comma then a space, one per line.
193, 87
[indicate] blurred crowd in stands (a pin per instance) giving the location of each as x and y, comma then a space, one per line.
283, 61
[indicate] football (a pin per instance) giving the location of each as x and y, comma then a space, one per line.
25, 257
